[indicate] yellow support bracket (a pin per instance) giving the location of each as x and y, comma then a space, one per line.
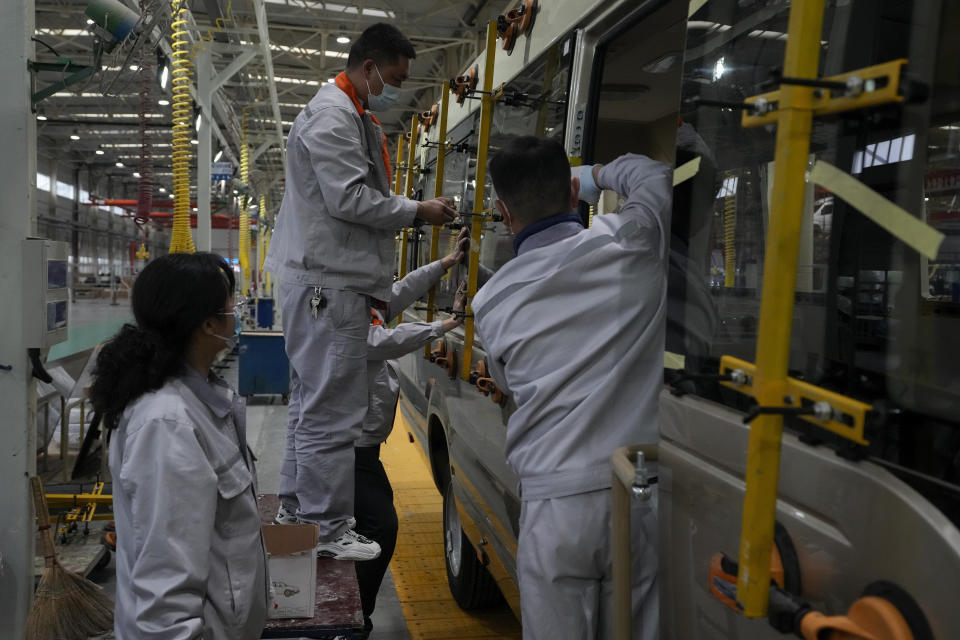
396, 177
408, 192
61, 500
847, 417
483, 142
438, 192
881, 85
794, 123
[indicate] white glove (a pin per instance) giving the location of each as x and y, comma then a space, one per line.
589, 191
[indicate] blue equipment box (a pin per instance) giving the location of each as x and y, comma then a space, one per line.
263, 367
265, 313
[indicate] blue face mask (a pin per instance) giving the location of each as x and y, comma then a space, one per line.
388, 97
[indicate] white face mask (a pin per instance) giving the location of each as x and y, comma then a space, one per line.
388, 97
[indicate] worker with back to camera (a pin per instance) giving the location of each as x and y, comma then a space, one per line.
573, 327
373, 505
333, 252
190, 558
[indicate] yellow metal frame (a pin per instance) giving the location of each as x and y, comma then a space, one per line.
408, 192
768, 382
483, 142
826, 103
794, 119
396, 177
801, 393
438, 192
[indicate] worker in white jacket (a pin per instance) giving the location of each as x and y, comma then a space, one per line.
333, 253
573, 328
375, 516
191, 562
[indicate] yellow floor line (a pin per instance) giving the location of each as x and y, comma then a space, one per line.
418, 565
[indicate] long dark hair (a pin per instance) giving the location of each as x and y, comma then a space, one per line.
171, 297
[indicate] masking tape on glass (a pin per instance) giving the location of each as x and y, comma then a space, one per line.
673, 360
686, 171
695, 6
905, 227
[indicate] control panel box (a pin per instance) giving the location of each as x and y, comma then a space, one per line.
46, 282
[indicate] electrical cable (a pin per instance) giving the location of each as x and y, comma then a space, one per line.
730, 231
145, 184
182, 239
244, 231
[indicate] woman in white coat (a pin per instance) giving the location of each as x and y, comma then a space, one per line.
190, 557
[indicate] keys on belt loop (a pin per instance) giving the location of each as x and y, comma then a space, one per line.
317, 302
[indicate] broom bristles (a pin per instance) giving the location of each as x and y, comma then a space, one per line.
67, 606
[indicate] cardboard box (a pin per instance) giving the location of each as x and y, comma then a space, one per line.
292, 557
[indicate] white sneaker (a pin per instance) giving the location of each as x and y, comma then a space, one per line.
288, 516
349, 546
285, 516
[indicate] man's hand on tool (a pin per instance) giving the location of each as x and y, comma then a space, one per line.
437, 211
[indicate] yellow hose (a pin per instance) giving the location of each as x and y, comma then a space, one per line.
261, 237
244, 231
182, 239
730, 232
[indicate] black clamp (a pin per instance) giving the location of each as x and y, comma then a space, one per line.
820, 410
759, 107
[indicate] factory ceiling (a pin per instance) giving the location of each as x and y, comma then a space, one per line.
95, 122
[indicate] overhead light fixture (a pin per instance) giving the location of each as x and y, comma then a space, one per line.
40, 116
163, 102
342, 39
133, 67
99, 152
218, 156
194, 208
119, 164
162, 190
164, 76
136, 174
89, 21
331, 80
194, 141
196, 125
74, 136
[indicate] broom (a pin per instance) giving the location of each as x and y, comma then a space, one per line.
66, 606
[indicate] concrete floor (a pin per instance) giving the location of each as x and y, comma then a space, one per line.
266, 433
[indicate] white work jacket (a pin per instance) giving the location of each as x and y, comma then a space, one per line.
385, 344
336, 224
190, 558
573, 328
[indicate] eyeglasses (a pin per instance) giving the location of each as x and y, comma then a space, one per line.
238, 309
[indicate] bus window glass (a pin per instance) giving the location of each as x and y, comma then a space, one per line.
873, 319
533, 104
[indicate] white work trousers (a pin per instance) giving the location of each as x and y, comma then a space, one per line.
564, 562
328, 402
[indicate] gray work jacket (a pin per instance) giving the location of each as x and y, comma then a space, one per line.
336, 224
190, 558
384, 344
574, 331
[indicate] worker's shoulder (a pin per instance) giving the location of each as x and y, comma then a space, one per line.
329, 101
167, 405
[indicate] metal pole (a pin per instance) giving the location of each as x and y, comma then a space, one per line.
408, 192
483, 142
18, 170
437, 192
205, 151
776, 305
